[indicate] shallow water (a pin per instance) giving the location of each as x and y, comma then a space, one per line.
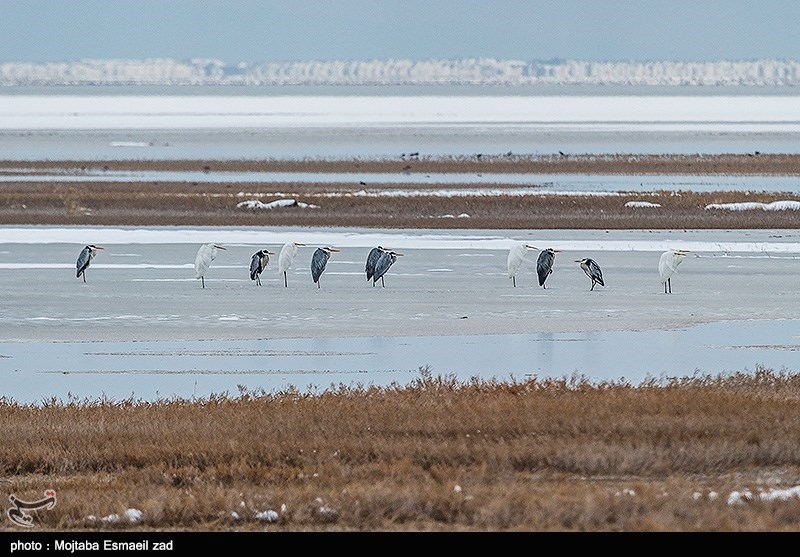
34, 372
537, 183
350, 142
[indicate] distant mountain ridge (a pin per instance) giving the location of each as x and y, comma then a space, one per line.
471, 71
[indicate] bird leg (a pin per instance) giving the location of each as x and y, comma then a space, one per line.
84, 276
203, 281
285, 280
383, 283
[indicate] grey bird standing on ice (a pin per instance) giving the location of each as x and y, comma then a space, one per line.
544, 265
258, 263
85, 259
372, 258
318, 262
592, 270
385, 261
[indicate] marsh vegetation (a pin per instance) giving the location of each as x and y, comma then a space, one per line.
694, 454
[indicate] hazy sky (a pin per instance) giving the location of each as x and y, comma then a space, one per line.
294, 30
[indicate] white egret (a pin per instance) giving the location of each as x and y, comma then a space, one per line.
592, 270
385, 261
372, 258
258, 263
516, 257
205, 255
544, 265
85, 259
286, 258
318, 262
668, 266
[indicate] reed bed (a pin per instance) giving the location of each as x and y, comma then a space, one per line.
695, 454
217, 204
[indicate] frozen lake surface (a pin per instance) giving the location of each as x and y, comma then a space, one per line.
219, 127
142, 327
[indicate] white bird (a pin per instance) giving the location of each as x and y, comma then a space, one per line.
668, 266
592, 270
258, 263
318, 262
516, 257
386, 260
85, 259
286, 258
544, 265
205, 255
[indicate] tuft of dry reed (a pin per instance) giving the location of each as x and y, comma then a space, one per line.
436, 455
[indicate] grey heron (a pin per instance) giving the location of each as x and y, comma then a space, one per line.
85, 259
592, 270
258, 263
372, 258
668, 266
516, 257
205, 255
544, 265
286, 258
386, 260
318, 262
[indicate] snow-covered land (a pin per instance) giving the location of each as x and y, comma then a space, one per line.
472, 71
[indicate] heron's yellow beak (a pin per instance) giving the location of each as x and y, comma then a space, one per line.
219, 247
99, 247
528, 246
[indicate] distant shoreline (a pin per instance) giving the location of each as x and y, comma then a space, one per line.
399, 89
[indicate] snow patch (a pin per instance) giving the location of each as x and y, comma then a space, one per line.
749, 206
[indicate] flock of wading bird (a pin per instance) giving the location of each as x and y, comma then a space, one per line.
380, 259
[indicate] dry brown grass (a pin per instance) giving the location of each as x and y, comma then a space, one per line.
210, 205
438, 455
215, 204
